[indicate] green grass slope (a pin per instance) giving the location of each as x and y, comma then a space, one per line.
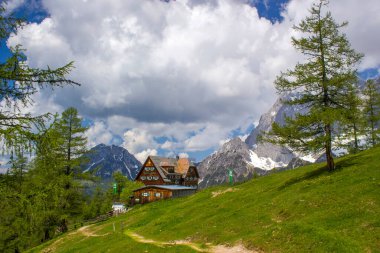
303, 210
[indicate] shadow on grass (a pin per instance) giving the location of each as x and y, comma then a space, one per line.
307, 176
320, 171
347, 163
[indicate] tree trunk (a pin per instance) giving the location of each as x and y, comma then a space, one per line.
356, 139
63, 227
329, 156
373, 135
326, 99
46, 235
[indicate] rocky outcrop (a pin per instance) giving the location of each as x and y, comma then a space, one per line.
234, 155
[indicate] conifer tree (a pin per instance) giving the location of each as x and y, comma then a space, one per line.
18, 170
322, 84
353, 123
18, 82
62, 197
372, 110
70, 146
70, 133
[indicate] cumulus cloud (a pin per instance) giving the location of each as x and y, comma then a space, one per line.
141, 156
138, 139
183, 155
187, 70
98, 133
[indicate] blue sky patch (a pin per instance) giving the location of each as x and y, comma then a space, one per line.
270, 9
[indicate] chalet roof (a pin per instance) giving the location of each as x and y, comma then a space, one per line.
168, 187
181, 165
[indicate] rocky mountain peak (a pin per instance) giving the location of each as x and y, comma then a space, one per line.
233, 144
234, 155
104, 160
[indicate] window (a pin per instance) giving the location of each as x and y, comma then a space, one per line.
149, 178
137, 200
145, 194
143, 178
158, 195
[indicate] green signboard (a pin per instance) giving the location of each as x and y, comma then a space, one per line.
114, 188
231, 176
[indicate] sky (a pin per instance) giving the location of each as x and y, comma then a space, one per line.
174, 77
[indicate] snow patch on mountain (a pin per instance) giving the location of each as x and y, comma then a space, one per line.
92, 165
309, 158
128, 170
265, 163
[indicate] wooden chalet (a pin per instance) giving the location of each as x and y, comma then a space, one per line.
165, 178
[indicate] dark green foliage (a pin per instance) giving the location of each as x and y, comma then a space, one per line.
322, 84
100, 203
43, 200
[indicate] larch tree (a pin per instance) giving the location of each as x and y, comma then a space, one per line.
321, 83
70, 132
372, 110
18, 83
352, 124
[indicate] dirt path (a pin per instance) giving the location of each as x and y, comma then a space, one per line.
90, 233
211, 249
86, 231
217, 193
141, 239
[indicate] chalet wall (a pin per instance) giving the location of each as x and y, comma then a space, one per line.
183, 193
147, 195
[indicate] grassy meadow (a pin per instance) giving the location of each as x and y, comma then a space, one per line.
303, 210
